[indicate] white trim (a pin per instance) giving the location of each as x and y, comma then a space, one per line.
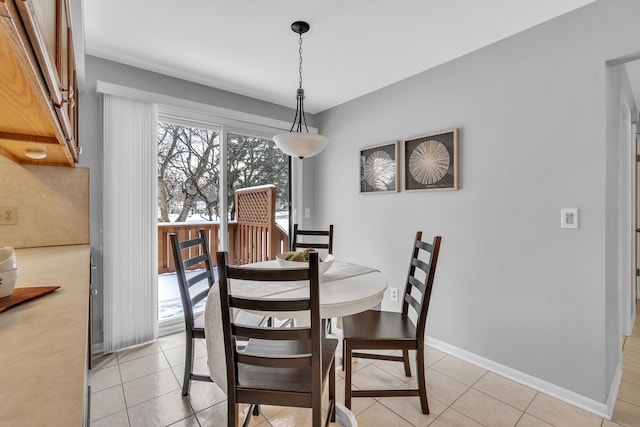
223, 186
220, 112
598, 408
614, 390
626, 217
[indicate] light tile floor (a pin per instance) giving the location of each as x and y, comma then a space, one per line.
141, 386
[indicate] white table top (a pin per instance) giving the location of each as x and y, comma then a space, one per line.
341, 297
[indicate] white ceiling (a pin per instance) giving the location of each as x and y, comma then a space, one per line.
354, 47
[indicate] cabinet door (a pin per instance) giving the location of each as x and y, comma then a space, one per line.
48, 25
42, 20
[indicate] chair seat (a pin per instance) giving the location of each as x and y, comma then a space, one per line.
383, 325
296, 379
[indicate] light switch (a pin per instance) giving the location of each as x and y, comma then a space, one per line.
569, 218
307, 213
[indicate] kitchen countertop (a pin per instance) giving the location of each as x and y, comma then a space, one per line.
43, 342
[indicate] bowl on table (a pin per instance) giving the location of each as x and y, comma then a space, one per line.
325, 262
7, 259
8, 281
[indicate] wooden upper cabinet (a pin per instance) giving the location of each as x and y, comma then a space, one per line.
37, 37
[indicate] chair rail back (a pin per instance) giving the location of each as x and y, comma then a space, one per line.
190, 254
308, 356
296, 243
424, 258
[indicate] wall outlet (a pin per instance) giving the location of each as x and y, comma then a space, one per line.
394, 294
8, 216
307, 213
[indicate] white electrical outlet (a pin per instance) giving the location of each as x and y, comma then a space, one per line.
8, 216
394, 294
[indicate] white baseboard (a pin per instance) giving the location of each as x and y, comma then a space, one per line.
597, 408
614, 390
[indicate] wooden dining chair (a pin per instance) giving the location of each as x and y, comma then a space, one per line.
307, 243
312, 239
282, 366
192, 290
379, 330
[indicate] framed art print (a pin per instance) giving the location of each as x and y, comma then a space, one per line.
379, 168
431, 162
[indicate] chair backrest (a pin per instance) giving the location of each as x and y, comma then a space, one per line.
192, 254
297, 244
310, 335
417, 292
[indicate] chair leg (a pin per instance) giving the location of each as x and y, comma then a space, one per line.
316, 410
422, 384
332, 391
407, 366
346, 364
188, 365
232, 413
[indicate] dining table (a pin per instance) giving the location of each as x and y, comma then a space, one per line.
345, 288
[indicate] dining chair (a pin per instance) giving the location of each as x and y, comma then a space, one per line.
282, 366
192, 290
297, 244
380, 330
314, 242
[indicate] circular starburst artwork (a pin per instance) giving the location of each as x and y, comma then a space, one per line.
429, 162
380, 171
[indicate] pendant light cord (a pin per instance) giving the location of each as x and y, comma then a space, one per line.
300, 60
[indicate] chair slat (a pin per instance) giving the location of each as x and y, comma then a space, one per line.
420, 264
412, 302
417, 284
273, 275
189, 243
272, 333
289, 361
199, 296
267, 304
424, 245
314, 232
197, 278
313, 245
195, 260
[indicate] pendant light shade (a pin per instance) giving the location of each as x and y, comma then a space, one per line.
298, 142
301, 144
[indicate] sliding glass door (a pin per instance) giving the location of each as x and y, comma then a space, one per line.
194, 194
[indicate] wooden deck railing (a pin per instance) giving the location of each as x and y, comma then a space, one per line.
189, 230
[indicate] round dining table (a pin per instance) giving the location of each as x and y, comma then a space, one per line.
345, 289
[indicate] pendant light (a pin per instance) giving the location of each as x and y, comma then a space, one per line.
298, 142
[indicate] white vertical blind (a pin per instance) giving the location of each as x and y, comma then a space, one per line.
130, 244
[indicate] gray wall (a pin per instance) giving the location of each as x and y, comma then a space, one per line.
511, 286
91, 134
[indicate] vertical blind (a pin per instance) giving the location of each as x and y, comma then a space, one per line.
129, 223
